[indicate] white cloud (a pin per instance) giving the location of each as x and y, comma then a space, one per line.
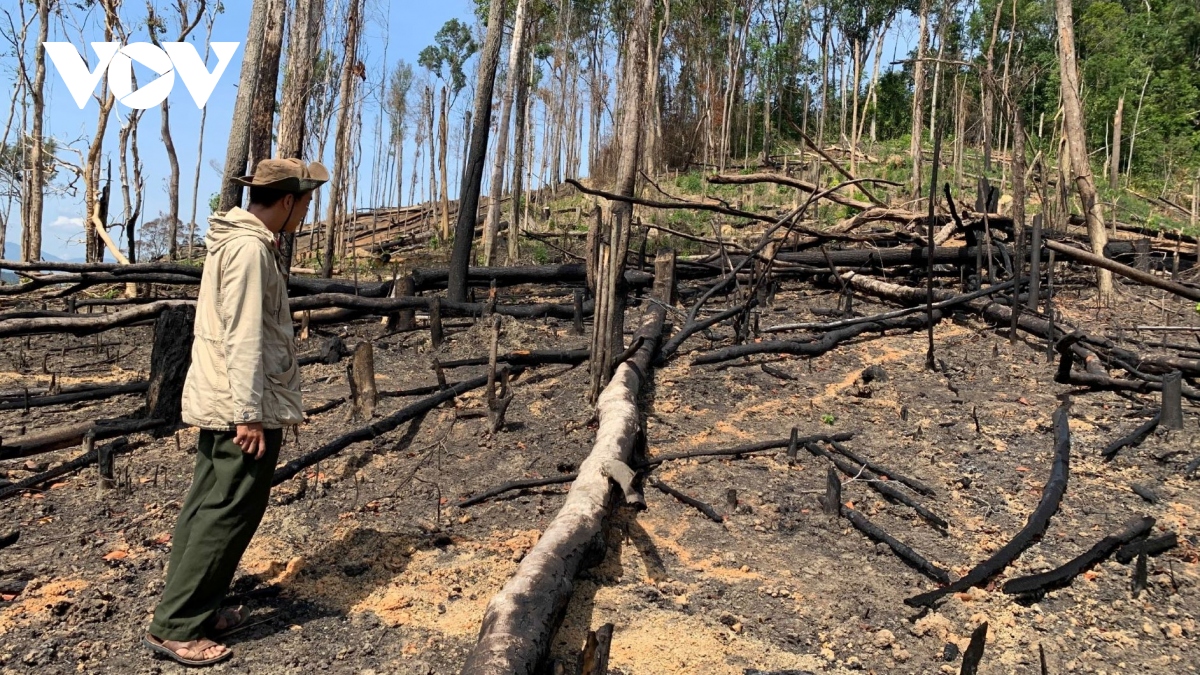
64, 222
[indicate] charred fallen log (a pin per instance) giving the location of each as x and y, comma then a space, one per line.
903, 551
88, 394
521, 618
72, 435
700, 506
1148, 547
878, 485
1035, 526
87, 324
1132, 440
382, 306
570, 274
913, 483
1062, 576
526, 358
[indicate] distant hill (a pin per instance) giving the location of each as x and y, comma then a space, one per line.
13, 252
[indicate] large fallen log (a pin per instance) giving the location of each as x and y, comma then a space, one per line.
1035, 526
1126, 271
87, 324
119, 446
1061, 576
388, 305
521, 619
533, 357
570, 274
89, 394
72, 435
902, 550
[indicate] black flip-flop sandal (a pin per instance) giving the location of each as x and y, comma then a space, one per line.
162, 650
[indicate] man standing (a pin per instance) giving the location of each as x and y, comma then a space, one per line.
242, 389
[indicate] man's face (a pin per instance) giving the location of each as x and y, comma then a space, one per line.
298, 211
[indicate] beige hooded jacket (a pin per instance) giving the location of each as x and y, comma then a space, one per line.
243, 357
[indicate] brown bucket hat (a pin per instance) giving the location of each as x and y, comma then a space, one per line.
288, 175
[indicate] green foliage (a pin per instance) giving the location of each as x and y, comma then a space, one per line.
397, 99
214, 200
451, 48
828, 418
540, 254
691, 182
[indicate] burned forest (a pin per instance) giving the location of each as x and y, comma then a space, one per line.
639, 337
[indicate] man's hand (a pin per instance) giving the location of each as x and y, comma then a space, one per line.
251, 440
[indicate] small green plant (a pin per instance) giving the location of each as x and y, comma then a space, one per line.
540, 255
828, 418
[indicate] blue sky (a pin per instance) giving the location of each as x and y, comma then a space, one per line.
393, 31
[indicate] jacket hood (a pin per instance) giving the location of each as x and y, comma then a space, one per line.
235, 223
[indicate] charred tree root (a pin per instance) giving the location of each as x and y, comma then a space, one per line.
517, 485
700, 506
1132, 440
902, 551
1039, 520
1062, 576
112, 448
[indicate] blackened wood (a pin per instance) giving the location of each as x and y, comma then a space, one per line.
1124, 270
9, 538
1063, 575
577, 306
87, 324
516, 485
403, 320
531, 357
375, 429
435, 323
746, 449
71, 435
892, 475
89, 394
104, 461
880, 486
833, 493
324, 407
793, 444
170, 358
571, 274
1144, 492
1191, 468
1035, 526
1134, 439
690, 329
974, 653
700, 506
604, 637
825, 343
903, 551
1172, 401
117, 446
383, 306
1150, 547
363, 392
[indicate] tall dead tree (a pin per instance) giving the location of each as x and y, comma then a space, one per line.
612, 242
520, 143
304, 37
239, 131
491, 226
472, 175
1073, 126
351, 69
1114, 167
262, 111
93, 246
31, 235
918, 125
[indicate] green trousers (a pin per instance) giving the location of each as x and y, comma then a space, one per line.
229, 495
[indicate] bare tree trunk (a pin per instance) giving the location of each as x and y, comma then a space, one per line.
341, 151
472, 175
491, 226
608, 333
262, 111
918, 105
31, 235
523, 75
443, 133
989, 97
1114, 167
304, 37
239, 131
1137, 116
1073, 127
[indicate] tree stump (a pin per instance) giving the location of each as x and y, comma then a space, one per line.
363, 393
1172, 401
405, 319
169, 361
